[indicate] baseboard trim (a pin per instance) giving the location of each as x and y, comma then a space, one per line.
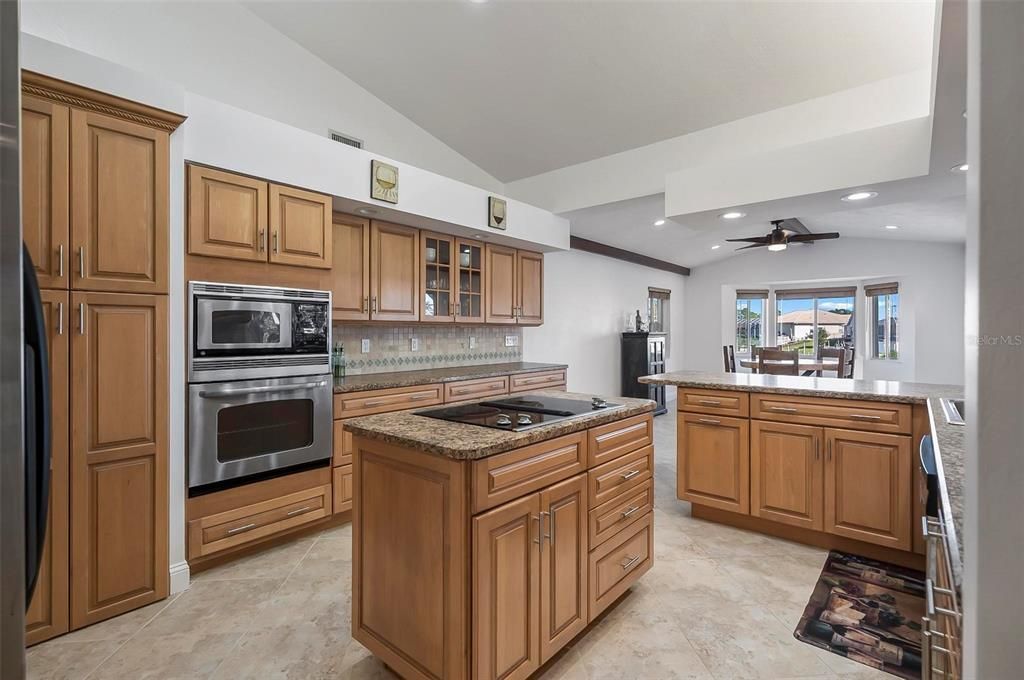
180, 577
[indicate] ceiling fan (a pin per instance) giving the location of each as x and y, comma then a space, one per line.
782, 234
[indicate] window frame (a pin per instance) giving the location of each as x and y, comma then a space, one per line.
815, 295
888, 295
749, 296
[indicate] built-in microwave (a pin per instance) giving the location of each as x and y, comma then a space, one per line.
248, 332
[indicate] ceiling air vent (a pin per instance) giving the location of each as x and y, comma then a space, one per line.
345, 139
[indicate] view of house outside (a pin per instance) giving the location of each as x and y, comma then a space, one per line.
749, 329
805, 324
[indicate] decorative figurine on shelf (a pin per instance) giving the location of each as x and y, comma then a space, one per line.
639, 322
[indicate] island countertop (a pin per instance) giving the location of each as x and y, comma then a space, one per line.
947, 439
380, 381
471, 442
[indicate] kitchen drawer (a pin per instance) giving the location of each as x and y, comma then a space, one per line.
222, 531
475, 389
718, 402
875, 416
626, 472
506, 476
342, 486
527, 382
620, 512
352, 404
343, 449
619, 562
610, 441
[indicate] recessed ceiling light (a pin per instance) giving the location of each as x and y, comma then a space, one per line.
734, 215
659, 223
366, 211
959, 168
776, 247
860, 195
715, 247
892, 226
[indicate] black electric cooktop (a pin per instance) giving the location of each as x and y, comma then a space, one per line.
520, 412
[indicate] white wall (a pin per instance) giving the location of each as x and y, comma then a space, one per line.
223, 51
585, 299
931, 279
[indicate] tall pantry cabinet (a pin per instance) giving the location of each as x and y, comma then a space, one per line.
95, 193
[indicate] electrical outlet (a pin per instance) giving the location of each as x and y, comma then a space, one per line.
364, 347
510, 341
414, 344
472, 342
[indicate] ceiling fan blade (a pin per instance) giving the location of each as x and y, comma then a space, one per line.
756, 245
763, 240
806, 238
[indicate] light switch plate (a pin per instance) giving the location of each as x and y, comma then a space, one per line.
510, 341
414, 344
364, 347
472, 342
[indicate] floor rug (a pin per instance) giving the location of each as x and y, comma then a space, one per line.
868, 611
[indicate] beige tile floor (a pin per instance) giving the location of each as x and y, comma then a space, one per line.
719, 603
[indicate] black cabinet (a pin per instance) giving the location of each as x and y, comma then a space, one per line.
643, 354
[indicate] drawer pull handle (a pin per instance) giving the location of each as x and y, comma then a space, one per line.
861, 416
709, 421
627, 513
710, 402
782, 409
238, 530
629, 562
419, 397
299, 511
631, 474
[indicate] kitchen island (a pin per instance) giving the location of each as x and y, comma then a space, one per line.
480, 552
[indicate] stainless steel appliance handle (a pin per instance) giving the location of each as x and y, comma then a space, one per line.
263, 389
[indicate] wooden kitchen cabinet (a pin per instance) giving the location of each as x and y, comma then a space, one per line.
868, 487
506, 590
469, 298
47, 614
529, 288
300, 227
227, 214
45, 188
500, 284
563, 564
119, 484
713, 466
350, 269
437, 277
394, 274
786, 473
119, 204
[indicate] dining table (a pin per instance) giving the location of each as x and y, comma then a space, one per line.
808, 365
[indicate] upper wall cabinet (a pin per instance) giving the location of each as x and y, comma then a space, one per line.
469, 299
350, 269
515, 286
45, 188
227, 214
437, 280
243, 218
530, 288
394, 274
119, 204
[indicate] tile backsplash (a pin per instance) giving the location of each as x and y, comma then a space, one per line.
439, 346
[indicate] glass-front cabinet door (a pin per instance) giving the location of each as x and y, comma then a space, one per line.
436, 260
470, 299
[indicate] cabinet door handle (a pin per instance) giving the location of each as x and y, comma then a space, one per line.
782, 409
817, 449
828, 452
631, 474
551, 527
245, 527
60, 260
60, 318
81, 318
304, 508
366, 305
275, 241
262, 245
540, 533
629, 562
374, 304
81, 262
627, 513
709, 421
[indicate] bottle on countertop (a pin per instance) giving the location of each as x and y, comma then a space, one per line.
338, 360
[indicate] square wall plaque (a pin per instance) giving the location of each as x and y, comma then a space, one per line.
383, 182
497, 212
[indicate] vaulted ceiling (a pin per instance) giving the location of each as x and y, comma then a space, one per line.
521, 88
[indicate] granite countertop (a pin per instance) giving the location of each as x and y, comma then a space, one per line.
472, 442
947, 440
380, 381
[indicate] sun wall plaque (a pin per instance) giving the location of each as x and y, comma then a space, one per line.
383, 182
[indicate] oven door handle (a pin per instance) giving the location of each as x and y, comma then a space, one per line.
227, 392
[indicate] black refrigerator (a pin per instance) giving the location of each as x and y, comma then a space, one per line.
24, 379
643, 354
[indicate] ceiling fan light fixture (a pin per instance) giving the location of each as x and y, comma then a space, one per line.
860, 195
776, 247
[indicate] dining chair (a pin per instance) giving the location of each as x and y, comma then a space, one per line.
837, 353
755, 352
850, 356
778, 362
729, 358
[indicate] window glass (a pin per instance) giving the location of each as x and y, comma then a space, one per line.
885, 325
812, 323
749, 324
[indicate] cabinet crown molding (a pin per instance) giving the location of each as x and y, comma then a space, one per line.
79, 96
